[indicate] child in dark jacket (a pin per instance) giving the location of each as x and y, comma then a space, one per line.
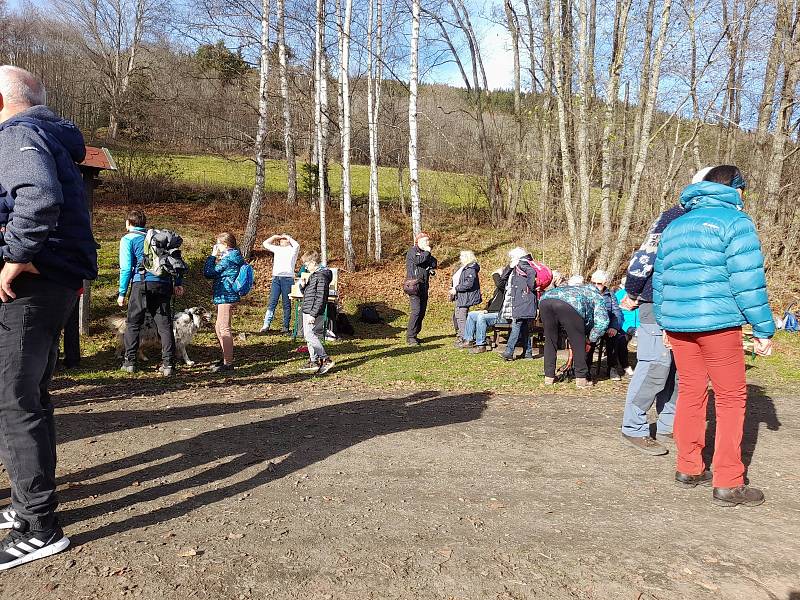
315, 298
223, 267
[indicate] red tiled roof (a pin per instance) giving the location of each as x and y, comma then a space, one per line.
99, 158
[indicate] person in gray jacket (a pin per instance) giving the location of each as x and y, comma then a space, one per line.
315, 298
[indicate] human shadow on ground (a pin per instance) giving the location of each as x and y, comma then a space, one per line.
760, 409
303, 438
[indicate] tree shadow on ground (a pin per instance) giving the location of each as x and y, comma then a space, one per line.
760, 409
292, 442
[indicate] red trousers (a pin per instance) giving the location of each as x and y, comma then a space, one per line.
719, 356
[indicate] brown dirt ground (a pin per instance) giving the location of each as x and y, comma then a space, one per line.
260, 489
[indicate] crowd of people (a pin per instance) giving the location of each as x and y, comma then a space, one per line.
695, 281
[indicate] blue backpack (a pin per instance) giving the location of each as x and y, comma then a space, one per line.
244, 280
791, 323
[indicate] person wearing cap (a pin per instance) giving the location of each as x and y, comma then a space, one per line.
521, 302
616, 338
420, 267
709, 281
654, 379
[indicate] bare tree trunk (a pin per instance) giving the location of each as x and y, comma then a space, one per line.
582, 129
320, 114
288, 136
692, 25
413, 172
257, 197
621, 246
562, 91
516, 187
644, 82
377, 92
344, 79
621, 14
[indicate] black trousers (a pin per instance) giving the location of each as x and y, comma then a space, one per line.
555, 315
72, 338
419, 306
154, 299
30, 328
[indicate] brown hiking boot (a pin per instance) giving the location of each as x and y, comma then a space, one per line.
479, 349
665, 438
692, 481
645, 444
743, 494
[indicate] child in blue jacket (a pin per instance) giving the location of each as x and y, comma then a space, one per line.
223, 267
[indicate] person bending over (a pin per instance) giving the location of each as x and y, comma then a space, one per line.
709, 281
581, 311
284, 250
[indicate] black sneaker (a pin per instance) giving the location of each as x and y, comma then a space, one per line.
7, 518
128, 366
21, 546
325, 366
221, 367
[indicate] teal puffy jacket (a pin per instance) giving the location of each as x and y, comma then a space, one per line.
709, 272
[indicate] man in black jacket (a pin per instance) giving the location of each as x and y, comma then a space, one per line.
420, 266
315, 299
46, 251
478, 322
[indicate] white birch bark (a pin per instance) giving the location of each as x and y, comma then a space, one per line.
320, 112
377, 78
288, 136
344, 77
582, 129
413, 168
257, 196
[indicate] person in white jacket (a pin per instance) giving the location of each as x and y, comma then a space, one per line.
285, 250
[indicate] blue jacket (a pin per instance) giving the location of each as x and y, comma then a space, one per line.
709, 269
468, 290
630, 318
639, 278
522, 292
43, 199
224, 273
588, 303
131, 257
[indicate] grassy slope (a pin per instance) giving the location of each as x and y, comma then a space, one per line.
376, 356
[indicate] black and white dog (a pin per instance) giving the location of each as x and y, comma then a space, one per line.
185, 324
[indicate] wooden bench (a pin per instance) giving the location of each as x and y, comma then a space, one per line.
536, 333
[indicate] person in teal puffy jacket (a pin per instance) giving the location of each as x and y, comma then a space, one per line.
709, 281
223, 268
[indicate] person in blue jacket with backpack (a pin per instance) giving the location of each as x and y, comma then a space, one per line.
709, 281
149, 294
223, 267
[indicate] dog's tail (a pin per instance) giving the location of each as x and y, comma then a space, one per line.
118, 324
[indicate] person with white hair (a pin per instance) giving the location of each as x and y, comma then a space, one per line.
616, 338
465, 292
576, 280
47, 250
521, 302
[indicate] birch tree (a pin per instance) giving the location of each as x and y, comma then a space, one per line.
344, 81
320, 116
515, 189
582, 127
374, 78
413, 82
257, 196
288, 136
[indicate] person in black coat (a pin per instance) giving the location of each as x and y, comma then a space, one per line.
315, 298
420, 267
465, 293
521, 302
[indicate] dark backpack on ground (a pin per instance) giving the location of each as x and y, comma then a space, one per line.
162, 254
370, 316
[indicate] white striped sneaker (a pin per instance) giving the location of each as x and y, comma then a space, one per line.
20, 547
7, 518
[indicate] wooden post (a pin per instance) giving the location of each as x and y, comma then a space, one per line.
84, 318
